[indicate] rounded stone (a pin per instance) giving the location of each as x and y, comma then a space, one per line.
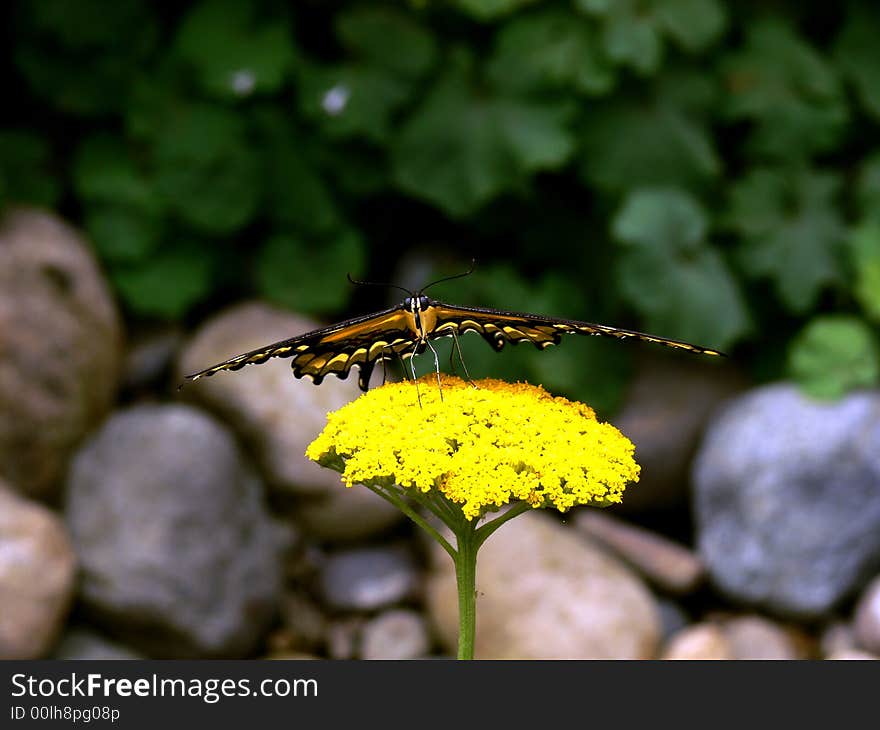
179, 555
37, 572
365, 579
787, 500
397, 634
699, 642
757, 637
60, 336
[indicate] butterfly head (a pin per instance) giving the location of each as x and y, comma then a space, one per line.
416, 303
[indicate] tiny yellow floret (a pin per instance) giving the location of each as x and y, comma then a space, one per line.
481, 447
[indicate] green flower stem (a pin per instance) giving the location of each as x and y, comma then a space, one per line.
398, 501
468, 538
466, 580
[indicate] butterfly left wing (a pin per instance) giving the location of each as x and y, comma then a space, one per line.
498, 327
362, 341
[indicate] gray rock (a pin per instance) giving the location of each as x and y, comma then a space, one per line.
667, 564
545, 593
61, 342
673, 618
278, 416
37, 572
85, 644
179, 556
365, 579
787, 495
397, 634
867, 618
666, 409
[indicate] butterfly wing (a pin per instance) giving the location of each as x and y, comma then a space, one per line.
362, 341
498, 327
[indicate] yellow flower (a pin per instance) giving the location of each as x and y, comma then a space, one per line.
480, 448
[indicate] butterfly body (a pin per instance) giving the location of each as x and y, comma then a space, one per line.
405, 330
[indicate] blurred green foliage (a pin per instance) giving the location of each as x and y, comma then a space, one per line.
701, 169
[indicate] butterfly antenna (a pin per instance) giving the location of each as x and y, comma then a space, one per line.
454, 276
358, 282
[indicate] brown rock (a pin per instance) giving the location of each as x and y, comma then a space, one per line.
667, 564
668, 405
756, 637
700, 641
37, 571
838, 637
543, 593
61, 342
278, 416
853, 654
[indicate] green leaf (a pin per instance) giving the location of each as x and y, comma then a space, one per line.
789, 92
868, 187
864, 251
83, 62
833, 355
491, 9
628, 143
104, 172
309, 277
855, 51
358, 170
165, 286
668, 220
296, 193
232, 52
633, 30
680, 286
550, 49
387, 39
352, 101
693, 24
206, 170
25, 169
791, 230
123, 235
462, 146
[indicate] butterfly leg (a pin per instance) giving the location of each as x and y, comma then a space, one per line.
436, 368
412, 365
457, 348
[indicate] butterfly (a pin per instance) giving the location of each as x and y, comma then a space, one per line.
406, 330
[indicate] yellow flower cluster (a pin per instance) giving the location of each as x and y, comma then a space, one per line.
480, 447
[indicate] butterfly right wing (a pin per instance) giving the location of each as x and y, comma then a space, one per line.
362, 341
